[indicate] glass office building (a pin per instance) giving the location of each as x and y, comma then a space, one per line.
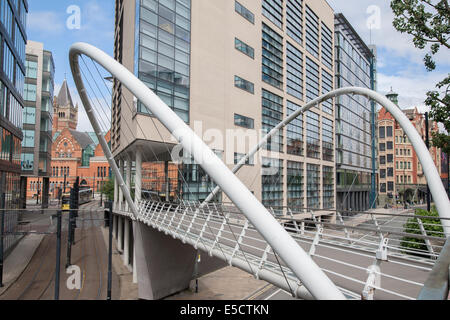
38, 118
13, 39
234, 65
354, 119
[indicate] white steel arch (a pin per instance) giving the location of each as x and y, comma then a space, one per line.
433, 179
314, 279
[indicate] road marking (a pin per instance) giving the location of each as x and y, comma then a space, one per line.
274, 294
261, 291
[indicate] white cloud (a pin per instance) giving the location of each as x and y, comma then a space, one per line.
47, 22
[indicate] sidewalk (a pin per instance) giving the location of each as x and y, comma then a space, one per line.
19, 259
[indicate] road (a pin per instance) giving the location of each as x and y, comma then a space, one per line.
89, 253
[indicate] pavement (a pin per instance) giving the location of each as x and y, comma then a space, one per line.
225, 284
19, 259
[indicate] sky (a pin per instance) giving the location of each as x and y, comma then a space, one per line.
400, 64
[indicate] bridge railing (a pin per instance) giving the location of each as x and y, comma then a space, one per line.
369, 250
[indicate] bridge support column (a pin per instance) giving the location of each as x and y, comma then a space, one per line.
115, 226
138, 178
128, 180
120, 236
116, 194
126, 242
164, 265
122, 172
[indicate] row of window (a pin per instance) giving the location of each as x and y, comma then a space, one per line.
60, 171
10, 148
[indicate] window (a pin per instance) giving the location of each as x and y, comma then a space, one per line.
312, 32
390, 145
312, 135
327, 86
243, 11
294, 131
327, 47
382, 147
328, 187
273, 10
272, 57
327, 139
389, 131
382, 132
390, 186
244, 84
390, 172
295, 184
312, 80
30, 92
244, 48
383, 187
272, 115
238, 157
390, 158
27, 162
382, 160
244, 121
29, 115
294, 71
313, 186
272, 183
383, 174
28, 139
294, 19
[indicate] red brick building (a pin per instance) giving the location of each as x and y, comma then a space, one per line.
401, 176
74, 154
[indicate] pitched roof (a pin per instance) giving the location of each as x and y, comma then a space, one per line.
64, 97
83, 139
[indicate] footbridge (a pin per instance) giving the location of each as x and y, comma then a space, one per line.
311, 255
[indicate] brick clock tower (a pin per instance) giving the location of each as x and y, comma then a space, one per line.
65, 114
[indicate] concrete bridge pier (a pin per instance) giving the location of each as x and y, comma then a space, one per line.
166, 266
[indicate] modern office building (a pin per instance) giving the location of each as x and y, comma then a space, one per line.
13, 40
236, 67
401, 174
38, 119
355, 119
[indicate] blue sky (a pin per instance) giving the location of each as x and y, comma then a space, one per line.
400, 64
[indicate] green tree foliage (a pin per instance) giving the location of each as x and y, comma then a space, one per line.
428, 21
108, 189
433, 227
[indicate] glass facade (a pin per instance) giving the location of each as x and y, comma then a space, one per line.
353, 118
243, 121
272, 115
313, 181
273, 10
164, 52
272, 183
295, 181
312, 32
328, 187
295, 139
294, 11
312, 135
13, 39
294, 71
272, 57
243, 11
312, 80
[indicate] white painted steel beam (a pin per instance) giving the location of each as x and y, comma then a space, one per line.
314, 279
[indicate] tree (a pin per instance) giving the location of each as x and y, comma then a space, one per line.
108, 189
428, 21
433, 228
